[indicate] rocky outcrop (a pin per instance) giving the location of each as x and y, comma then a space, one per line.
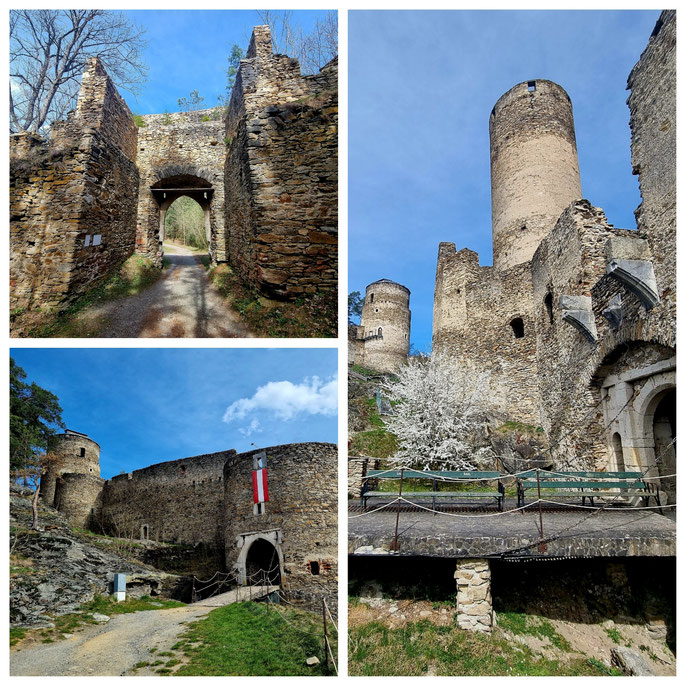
55, 570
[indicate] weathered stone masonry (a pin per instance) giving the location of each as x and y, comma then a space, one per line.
382, 339
576, 320
266, 177
73, 198
208, 500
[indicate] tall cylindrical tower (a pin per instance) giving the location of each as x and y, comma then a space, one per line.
534, 167
75, 454
385, 325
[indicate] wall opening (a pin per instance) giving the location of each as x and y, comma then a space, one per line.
517, 325
531, 85
144, 532
181, 212
186, 223
618, 452
314, 567
262, 564
548, 301
371, 298
83, 452
664, 435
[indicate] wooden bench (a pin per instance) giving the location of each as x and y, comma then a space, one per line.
434, 495
585, 485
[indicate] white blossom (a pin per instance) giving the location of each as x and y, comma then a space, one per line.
439, 417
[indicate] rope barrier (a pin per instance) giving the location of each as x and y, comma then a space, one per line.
622, 509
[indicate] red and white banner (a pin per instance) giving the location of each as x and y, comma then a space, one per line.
259, 486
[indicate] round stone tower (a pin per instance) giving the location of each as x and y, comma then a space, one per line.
76, 454
534, 167
385, 325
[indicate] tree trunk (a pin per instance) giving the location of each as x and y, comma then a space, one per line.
34, 508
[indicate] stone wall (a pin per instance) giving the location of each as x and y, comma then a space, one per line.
484, 319
590, 293
176, 151
652, 106
474, 604
81, 203
281, 174
180, 501
72, 199
300, 517
79, 497
75, 454
384, 332
534, 167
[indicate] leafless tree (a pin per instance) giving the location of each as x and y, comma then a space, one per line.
48, 53
313, 49
31, 473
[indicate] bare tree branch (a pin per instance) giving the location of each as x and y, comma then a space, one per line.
313, 50
48, 53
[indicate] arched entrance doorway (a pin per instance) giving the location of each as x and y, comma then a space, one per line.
166, 191
260, 557
161, 189
661, 421
262, 564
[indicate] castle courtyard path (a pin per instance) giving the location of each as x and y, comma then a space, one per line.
181, 304
114, 648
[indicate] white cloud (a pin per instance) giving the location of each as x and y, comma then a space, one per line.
287, 400
252, 428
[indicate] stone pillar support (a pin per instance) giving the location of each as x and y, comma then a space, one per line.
474, 606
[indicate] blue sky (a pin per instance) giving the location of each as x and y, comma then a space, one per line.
189, 49
421, 87
150, 405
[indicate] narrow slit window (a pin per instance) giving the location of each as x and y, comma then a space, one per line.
549, 305
531, 86
314, 567
83, 452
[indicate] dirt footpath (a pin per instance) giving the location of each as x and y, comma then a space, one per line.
181, 304
114, 648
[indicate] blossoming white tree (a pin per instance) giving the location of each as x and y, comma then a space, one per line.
439, 417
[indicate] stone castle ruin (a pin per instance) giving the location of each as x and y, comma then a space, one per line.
207, 501
265, 176
382, 339
576, 319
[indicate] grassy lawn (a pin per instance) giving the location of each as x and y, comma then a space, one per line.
422, 648
73, 622
136, 274
312, 316
247, 639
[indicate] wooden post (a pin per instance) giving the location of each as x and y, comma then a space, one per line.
394, 545
541, 546
326, 638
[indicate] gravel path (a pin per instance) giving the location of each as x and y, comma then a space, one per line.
114, 648
181, 304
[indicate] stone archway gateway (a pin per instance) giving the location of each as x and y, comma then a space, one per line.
639, 410
260, 552
167, 185
264, 170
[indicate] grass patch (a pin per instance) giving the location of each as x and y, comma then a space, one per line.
311, 316
17, 635
520, 428
245, 639
520, 623
614, 635
423, 648
134, 275
375, 443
